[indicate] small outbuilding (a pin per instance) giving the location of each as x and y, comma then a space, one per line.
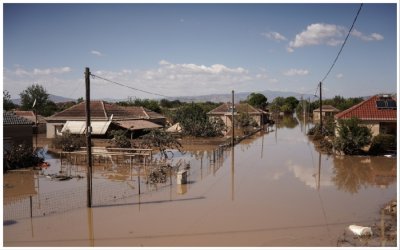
16, 130
327, 111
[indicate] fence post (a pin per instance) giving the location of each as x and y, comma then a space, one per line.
30, 204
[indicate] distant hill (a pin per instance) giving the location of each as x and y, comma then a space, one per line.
54, 98
240, 96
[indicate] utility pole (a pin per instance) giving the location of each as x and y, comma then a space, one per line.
233, 118
320, 105
88, 139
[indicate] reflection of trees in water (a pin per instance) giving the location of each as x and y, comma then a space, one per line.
352, 173
286, 121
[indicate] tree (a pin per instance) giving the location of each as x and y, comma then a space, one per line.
32, 93
351, 136
120, 139
292, 102
194, 121
257, 100
7, 103
161, 140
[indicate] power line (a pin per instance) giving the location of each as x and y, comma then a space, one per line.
345, 40
129, 87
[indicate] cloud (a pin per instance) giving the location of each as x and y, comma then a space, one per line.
327, 34
51, 71
96, 52
339, 76
274, 36
371, 37
296, 72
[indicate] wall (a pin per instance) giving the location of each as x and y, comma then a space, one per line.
18, 134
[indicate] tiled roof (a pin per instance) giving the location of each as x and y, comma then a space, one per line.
239, 107
100, 110
30, 115
9, 118
368, 111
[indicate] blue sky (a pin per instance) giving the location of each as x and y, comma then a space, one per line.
197, 49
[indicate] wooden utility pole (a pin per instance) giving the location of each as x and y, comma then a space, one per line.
233, 118
88, 139
320, 105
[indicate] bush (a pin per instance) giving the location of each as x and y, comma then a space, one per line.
161, 140
20, 156
69, 142
119, 139
382, 143
352, 137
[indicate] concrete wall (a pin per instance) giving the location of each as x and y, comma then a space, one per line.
51, 129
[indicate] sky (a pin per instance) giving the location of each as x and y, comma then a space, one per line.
199, 49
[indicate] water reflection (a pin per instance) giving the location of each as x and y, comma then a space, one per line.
286, 121
352, 173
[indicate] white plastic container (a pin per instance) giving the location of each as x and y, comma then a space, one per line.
181, 177
360, 230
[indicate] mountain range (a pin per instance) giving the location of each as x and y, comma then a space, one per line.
240, 96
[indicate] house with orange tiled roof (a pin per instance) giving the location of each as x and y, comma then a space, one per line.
104, 116
378, 112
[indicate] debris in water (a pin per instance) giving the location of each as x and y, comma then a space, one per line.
360, 230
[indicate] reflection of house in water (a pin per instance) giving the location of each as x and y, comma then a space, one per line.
352, 173
19, 184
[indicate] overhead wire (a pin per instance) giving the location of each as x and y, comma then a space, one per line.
344, 42
129, 87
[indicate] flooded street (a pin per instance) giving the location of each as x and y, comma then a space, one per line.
271, 190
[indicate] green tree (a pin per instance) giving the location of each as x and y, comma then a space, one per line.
292, 102
120, 139
257, 100
161, 140
194, 121
7, 103
32, 93
352, 137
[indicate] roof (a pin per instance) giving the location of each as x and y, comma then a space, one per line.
239, 107
368, 111
328, 108
30, 115
138, 124
79, 127
100, 110
10, 118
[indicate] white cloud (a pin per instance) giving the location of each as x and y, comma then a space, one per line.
274, 36
296, 72
371, 37
339, 76
50, 71
96, 52
327, 34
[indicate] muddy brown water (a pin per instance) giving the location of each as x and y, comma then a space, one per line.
272, 190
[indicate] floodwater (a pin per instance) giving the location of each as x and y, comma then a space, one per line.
272, 190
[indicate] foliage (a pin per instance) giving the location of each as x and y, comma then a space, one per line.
194, 121
170, 104
382, 143
351, 136
161, 140
120, 140
7, 103
245, 120
69, 142
19, 156
43, 105
287, 105
292, 102
146, 103
257, 100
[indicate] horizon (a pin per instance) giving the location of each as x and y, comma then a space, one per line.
179, 50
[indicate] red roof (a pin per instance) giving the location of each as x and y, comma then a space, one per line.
368, 111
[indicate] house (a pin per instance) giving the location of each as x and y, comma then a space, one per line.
104, 117
224, 112
327, 111
30, 115
16, 130
378, 112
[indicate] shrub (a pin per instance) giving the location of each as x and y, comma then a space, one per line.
351, 136
382, 143
161, 140
69, 142
119, 139
20, 156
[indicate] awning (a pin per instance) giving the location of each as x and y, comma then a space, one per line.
137, 124
79, 127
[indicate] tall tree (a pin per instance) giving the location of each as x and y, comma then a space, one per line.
257, 100
32, 93
7, 103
